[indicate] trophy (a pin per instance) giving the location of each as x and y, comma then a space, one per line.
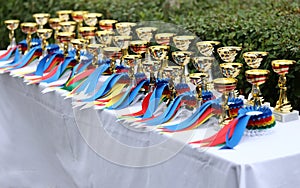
96, 50
253, 60
41, 19
228, 53
113, 53
199, 80
78, 18
139, 47
68, 26
44, 34
145, 33
256, 77
164, 38
159, 53
78, 44
104, 37
206, 48
107, 25
182, 58
123, 43
12, 25
28, 28
131, 61
283, 110
224, 86
55, 25
64, 15
65, 38
124, 28
91, 19
203, 65
183, 42
88, 33
171, 73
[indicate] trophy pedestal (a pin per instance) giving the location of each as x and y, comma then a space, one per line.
286, 117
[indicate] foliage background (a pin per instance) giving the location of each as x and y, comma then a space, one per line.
266, 25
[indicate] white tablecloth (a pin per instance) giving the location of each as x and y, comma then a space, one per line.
42, 146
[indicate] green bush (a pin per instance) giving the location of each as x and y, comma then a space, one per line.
264, 25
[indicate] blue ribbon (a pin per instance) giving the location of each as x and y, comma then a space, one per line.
5, 58
45, 63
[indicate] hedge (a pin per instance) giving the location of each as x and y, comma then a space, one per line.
265, 25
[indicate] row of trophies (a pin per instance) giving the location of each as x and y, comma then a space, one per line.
155, 58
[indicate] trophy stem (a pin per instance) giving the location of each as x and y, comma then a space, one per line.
66, 47
225, 116
79, 25
152, 82
283, 105
256, 95
182, 76
125, 52
28, 41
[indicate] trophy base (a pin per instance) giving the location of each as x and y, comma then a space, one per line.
286, 117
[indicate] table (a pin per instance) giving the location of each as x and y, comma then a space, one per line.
41, 145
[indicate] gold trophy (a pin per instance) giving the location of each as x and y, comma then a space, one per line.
225, 86
55, 25
64, 15
253, 59
203, 65
131, 61
171, 73
113, 53
28, 28
107, 25
199, 80
41, 19
96, 50
183, 42
164, 38
182, 58
206, 48
228, 53
12, 25
139, 47
78, 18
65, 38
159, 53
256, 77
78, 44
283, 110
104, 37
123, 43
145, 33
68, 26
87, 33
124, 28
91, 19
44, 35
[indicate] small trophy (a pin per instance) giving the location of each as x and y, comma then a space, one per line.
283, 110
104, 37
78, 17
164, 38
68, 26
44, 35
159, 53
88, 33
145, 33
131, 61
41, 19
107, 25
199, 80
183, 42
96, 50
78, 44
206, 48
124, 28
12, 25
28, 28
91, 19
65, 38
55, 25
122, 42
182, 58
64, 15
228, 53
203, 65
113, 53
225, 86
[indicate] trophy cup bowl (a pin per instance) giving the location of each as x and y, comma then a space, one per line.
65, 38
113, 53
78, 44
183, 42
254, 59
283, 110
104, 37
55, 25
68, 26
225, 86
145, 33
228, 53
28, 28
64, 15
122, 41
256, 77
44, 35
139, 46
91, 19
88, 33
132, 61
78, 16
107, 25
231, 70
182, 58
12, 25
164, 38
41, 19
159, 52
199, 80
203, 64
124, 28
206, 48
95, 50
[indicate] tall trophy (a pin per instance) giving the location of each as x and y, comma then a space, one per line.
225, 86
12, 25
28, 28
283, 110
41, 19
